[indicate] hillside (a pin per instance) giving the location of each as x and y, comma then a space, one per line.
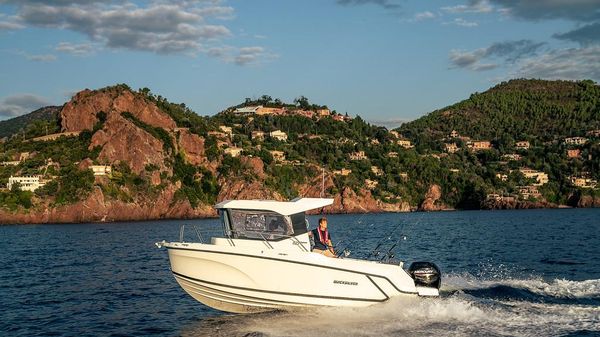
40, 116
133, 155
516, 110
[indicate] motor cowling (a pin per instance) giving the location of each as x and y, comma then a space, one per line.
425, 274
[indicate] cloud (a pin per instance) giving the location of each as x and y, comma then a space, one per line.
240, 56
159, 26
586, 35
473, 6
37, 58
567, 64
462, 22
575, 10
383, 3
423, 16
7, 25
19, 104
81, 49
508, 52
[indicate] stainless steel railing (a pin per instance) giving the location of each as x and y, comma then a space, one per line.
266, 237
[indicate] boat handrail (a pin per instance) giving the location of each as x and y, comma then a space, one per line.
262, 235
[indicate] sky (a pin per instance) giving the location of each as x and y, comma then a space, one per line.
389, 61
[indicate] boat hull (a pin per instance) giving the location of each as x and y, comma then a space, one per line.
246, 280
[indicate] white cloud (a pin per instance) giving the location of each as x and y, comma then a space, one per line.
568, 64
159, 26
473, 6
81, 49
19, 104
424, 16
462, 22
38, 57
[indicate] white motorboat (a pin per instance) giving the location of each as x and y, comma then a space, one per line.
264, 262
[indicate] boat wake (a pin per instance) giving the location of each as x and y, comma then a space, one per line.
469, 306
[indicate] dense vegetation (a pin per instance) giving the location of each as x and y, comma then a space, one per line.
541, 112
36, 123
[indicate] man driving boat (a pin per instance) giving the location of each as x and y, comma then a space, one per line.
322, 239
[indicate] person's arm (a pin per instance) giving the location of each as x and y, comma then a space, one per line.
330, 247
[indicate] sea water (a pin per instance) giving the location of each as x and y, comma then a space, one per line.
505, 273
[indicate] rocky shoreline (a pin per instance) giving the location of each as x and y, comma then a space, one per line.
96, 209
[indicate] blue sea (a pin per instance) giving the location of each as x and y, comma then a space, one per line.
505, 273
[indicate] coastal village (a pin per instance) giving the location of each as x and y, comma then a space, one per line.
375, 163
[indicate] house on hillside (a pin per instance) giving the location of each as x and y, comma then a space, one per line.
233, 151
339, 118
405, 143
304, 113
583, 182
23, 156
395, 133
451, 147
101, 170
270, 111
541, 178
376, 170
217, 134
575, 140
278, 156
343, 172
226, 129
573, 153
511, 156
528, 192
454, 134
360, 155
522, 145
502, 176
279, 135
392, 154
323, 112
371, 184
258, 135
26, 183
480, 145
247, 109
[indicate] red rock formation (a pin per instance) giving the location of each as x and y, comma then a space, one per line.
122, 141
239, 188
255, 164
192, 147
95, 208
81, 112
434, 193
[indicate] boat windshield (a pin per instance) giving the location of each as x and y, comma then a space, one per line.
251, 224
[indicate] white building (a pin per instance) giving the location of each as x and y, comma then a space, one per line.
279, 135
26, 183
576, 140
360, 155
541, 178
233, 151
101, 170
227, 129
247, 109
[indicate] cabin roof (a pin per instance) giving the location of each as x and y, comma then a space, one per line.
282, 207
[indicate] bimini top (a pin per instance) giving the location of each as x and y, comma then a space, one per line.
282, 207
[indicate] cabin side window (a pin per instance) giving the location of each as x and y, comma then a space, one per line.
299, 223
258, 225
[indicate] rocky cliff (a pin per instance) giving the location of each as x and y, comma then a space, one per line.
143, 143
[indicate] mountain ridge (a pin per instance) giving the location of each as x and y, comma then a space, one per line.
167, 161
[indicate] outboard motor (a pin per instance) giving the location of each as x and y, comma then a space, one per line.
427, 276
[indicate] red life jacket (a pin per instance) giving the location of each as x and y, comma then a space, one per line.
323, 235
